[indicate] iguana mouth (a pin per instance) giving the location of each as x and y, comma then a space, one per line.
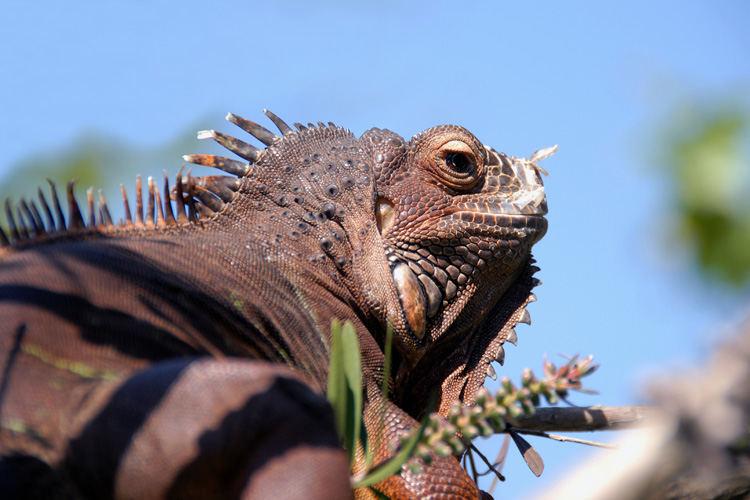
518, 221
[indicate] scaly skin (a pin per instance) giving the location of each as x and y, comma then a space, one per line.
185, 357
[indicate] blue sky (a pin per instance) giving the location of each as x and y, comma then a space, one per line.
598, 80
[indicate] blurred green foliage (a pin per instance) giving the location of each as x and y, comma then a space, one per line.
707, 163
83, 161
102, 162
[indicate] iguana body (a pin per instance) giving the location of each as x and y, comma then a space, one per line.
184, 356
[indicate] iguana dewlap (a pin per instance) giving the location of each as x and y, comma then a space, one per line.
184, 352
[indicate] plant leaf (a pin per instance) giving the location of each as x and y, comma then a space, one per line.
393, 465
529, 454
336, 391
344, 390
353, 379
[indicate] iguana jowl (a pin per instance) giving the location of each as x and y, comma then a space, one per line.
183, 355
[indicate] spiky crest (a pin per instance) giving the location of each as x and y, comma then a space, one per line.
195, 198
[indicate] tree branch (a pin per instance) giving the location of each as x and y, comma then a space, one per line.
592, 418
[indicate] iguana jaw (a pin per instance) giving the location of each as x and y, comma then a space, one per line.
422, 298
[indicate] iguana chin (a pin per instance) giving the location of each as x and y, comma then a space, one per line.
183, 354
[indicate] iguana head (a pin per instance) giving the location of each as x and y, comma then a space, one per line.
458, 220
446, 262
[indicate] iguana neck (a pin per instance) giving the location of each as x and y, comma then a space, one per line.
206, 286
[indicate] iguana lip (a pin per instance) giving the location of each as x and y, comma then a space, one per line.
533, 203
517, 221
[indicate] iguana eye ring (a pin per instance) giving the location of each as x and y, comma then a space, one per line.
452, 155
459, 165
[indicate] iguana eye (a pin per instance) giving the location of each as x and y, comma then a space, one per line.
460, 163
452, 155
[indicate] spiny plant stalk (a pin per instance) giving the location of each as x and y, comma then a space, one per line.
494, 414
437, 435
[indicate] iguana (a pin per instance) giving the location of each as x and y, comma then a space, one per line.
184, 353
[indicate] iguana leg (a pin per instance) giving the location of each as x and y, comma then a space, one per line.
444, 479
